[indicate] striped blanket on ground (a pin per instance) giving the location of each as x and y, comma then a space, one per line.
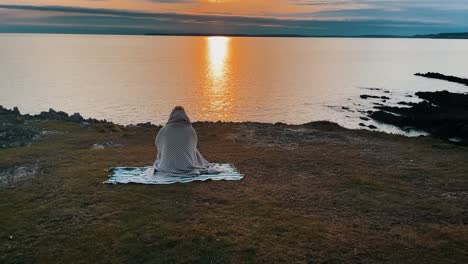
146, 175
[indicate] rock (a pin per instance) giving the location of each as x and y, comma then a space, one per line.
445, 98
76, 117
98, 146
366, 96
406, 103
52, 115
146, 125
372, 127
17, 130
110, 144
280, 124
371, 88
388, 118
17, 135
439, 76
11, 176
362, 124
15, 113
364, 118
443, 114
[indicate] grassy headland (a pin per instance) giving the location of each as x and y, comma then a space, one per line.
313, 193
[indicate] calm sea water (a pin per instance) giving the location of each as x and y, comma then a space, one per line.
131, 79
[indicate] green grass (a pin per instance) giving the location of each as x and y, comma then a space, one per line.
292, 207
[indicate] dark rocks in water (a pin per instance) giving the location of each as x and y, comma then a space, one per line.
408, 95
388, 118
406, 103
366, 96
369, 126
345, 108
371, 88
439, 76
364, 118
443, 114
445, 99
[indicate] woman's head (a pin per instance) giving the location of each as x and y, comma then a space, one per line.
178, 115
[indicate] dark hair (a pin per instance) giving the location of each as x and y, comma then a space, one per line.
178, 108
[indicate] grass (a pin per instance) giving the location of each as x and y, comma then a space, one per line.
356, 197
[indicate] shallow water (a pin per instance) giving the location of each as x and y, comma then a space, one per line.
131, 79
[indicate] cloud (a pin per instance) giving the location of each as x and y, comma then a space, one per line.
331, 21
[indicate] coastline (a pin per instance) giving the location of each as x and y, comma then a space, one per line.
19, 130
442, 114
312, 192
449, 36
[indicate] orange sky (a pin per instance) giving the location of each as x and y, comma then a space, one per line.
268, 8
299, 17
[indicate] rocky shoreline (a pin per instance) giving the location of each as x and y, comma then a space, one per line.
443, 114
440, 76
16, 129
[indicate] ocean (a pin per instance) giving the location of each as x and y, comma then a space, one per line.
133, 79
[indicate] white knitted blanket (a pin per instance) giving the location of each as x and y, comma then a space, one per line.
146, 175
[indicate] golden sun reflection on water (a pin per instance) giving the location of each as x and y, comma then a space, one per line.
217, 91
218, 49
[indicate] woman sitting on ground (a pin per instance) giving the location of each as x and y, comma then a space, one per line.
177, 146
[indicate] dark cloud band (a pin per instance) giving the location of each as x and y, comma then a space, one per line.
61, 19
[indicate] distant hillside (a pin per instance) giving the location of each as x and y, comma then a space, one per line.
432, 36
463, 35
